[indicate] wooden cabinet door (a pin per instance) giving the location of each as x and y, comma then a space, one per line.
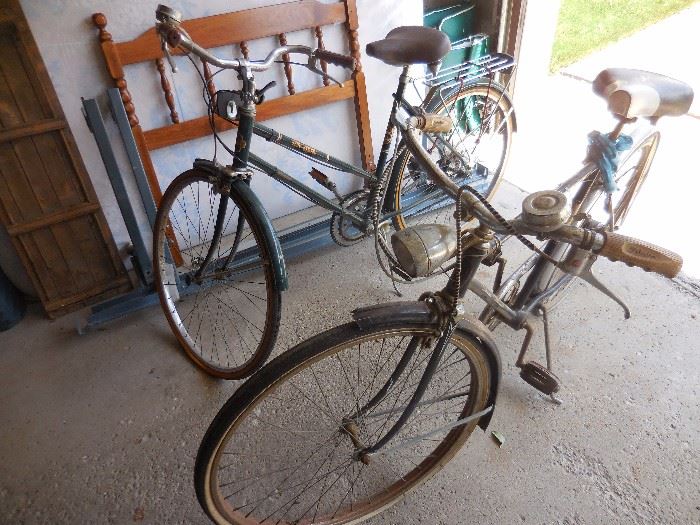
47, 202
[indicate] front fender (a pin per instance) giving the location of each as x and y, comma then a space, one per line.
419, 312
256, 211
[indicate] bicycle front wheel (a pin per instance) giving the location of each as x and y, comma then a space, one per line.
475, 153
283, 449
214, 275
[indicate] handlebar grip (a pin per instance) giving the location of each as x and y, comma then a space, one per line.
645, 255
335, 58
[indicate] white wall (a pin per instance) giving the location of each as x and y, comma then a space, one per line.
68, 44
530, 97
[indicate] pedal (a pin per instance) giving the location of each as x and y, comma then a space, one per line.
539, 377
324, 181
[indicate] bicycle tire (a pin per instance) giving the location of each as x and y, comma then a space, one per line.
227, 321
632, 173
241, 439
478, 110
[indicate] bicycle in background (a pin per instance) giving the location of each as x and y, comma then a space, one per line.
219, 269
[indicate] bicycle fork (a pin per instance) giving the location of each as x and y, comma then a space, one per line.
349, 425
457, 285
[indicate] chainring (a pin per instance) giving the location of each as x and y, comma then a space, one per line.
508, 297
343, 231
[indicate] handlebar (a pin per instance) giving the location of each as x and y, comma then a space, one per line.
616, 247
335, 58
168, 26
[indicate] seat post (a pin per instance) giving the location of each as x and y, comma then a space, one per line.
621, 121
389, 134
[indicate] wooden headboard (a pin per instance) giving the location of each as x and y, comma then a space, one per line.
239, 28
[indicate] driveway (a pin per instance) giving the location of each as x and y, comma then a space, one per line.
556, 115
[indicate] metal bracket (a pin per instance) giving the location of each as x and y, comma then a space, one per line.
120, 117
140, 258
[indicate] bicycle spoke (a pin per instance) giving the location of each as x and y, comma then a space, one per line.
221, 317
308, 468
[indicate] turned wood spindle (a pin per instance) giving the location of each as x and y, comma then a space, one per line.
167, 91
244, 49
287, 65
320, 45
355, 49
114, 66
211, 88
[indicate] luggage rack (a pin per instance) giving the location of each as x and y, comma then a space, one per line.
471, 70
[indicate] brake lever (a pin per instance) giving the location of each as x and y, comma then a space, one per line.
260, 93
312, 66
168, 55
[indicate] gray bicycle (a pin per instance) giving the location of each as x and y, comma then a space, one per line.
218, 265
344, 424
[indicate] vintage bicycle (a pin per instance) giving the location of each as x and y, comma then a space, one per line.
219, 269
341, 426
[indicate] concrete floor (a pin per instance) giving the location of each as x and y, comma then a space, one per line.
104, 427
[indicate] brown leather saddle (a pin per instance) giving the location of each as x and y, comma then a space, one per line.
634, 93
408, 45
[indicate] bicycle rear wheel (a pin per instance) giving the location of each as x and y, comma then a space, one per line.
479, 146
226, 317
631, 174
280, 451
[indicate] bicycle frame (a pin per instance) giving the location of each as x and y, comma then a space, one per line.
299, 148
372, 178
461, 280
377, 181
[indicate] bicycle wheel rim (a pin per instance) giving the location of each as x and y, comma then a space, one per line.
226, 322
267, 383
483, 124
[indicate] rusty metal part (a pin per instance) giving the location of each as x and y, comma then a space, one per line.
350, 428
343, 231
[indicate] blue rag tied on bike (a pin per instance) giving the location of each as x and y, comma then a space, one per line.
604, 152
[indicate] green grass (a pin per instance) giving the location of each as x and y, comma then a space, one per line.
587, 25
